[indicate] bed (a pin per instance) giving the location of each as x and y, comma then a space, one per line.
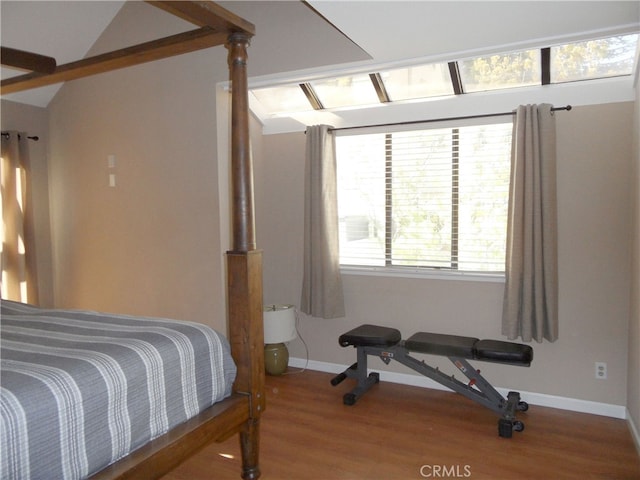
102, 385
240, 411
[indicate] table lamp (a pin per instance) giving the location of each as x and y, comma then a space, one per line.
279, 327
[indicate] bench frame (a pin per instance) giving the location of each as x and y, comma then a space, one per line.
477, 389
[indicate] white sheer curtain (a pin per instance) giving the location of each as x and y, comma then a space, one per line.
19, 280
530, 308
322, 294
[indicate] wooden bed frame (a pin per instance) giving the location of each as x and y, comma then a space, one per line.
241, 412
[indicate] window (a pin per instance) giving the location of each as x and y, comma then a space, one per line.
434, 198
495, 72
345, 91
417, 82
588, 60
605, 57
287, 99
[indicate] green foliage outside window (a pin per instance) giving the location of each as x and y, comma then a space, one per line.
501, 71
605, 57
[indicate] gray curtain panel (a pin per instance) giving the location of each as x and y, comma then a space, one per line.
530, 308
322, 294
19, 276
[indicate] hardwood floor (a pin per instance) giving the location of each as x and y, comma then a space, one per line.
398, 432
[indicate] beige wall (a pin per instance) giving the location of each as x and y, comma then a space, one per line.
34, 121
155, 243
633, 380
150, 245
594, 186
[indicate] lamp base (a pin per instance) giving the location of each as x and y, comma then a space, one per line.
276, 358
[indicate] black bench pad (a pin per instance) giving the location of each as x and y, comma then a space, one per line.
440, 344
504, 352
370, 336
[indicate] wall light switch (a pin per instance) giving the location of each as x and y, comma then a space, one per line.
112, 179
111, 161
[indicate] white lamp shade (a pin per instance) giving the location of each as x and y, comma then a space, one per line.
279, 323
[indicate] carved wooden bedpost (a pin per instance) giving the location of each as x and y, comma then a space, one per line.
244, 263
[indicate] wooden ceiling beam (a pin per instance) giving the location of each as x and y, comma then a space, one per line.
186, 42
215, 22
206, 13
22, 60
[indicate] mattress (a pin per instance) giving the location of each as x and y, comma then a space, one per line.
80, 389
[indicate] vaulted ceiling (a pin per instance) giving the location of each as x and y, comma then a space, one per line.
336, 33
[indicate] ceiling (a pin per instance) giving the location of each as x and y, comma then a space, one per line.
31, 26
380, 32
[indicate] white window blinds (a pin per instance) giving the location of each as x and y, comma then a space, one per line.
428, 198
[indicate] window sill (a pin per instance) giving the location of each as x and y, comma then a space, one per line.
423, 273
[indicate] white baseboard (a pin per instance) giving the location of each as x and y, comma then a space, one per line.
532, 398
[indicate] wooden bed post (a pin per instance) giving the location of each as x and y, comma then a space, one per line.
244, 263
241, 411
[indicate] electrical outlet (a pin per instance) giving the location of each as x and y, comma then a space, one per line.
601, 370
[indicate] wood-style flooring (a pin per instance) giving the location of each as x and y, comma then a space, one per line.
398, 432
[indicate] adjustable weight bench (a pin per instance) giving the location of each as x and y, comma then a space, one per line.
387, 343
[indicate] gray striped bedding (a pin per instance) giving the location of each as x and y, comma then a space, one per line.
81, 389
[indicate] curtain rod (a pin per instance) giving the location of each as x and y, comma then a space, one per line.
35, 138
468, 117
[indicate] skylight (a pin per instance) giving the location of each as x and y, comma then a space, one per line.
587, 60
421, 81
607, 57
289, 98
495, 72
349, 91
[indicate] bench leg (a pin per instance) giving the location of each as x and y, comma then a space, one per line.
508, 423
492, 399
358, 371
